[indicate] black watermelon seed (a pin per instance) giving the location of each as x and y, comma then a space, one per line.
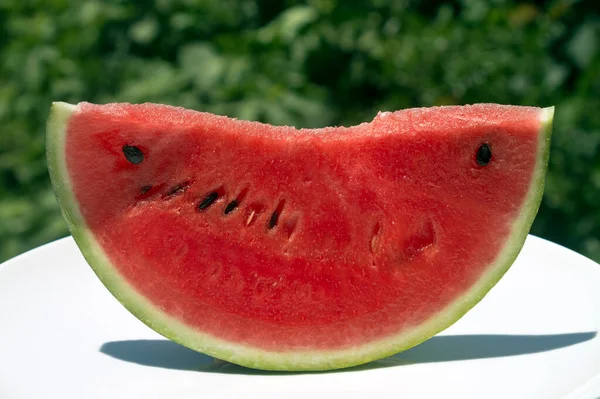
133, 154
484, 154
145, 189
208, 200
230, 207
273, 220
275, 215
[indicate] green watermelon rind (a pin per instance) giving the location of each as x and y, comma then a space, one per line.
175, 330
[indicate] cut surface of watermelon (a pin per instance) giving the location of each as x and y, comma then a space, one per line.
298, 249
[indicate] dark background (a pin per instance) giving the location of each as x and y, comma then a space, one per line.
306, 64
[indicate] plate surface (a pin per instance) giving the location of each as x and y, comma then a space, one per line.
62, 335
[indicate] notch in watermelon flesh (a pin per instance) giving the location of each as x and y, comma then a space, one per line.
296, 249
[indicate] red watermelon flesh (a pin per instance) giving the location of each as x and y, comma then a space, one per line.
283, 248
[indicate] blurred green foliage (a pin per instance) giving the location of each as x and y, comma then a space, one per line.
306, 64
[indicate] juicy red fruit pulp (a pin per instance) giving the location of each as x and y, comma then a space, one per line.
289, 239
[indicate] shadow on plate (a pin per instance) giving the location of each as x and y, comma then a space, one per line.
445, 348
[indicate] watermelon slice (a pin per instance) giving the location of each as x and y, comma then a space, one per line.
296, 249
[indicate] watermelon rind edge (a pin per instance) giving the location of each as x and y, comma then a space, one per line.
258, 358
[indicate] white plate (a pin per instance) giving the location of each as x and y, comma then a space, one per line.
62, 335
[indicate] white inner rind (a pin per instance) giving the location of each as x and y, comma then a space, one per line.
253, 357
